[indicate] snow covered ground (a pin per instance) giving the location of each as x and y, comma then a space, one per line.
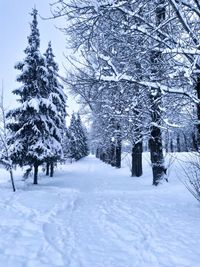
92, 215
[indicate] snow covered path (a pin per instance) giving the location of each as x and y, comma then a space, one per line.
92, 215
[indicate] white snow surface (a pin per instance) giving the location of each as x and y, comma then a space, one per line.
93, 215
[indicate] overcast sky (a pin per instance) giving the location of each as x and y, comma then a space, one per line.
14, 20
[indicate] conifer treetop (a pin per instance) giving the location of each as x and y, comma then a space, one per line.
50, 58
34, 37
33, 71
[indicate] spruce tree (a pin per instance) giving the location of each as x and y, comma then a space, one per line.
81, 136
58, 98
66, 144
33, 134
73, 141
77, 139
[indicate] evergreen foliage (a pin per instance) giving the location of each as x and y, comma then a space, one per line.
58, 98
78, 145
36, 124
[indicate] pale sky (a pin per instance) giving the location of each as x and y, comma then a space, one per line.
14, 20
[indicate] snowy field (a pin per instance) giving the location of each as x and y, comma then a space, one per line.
92, 215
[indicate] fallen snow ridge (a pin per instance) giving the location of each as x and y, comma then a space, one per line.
92, 215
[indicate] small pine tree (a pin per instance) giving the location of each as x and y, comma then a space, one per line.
77, 139
82, 137
66, 144
34, 138
73, 141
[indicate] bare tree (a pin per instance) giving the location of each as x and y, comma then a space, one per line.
5, 159
192, 182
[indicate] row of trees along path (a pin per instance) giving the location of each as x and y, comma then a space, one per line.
139, 80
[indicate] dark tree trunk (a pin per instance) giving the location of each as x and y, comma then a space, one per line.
51, 169
118, 155
97, 153
166, 145
35, 178
12, 179
198, 111
178, 143
118, 148
194, 142
137, 148
47, 169
100, 155
136, 169
156, 153
186, 143
112, 156
106, 156
171, 146
155, 142
103, 156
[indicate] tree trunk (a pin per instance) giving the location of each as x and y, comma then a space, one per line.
157, 72
178, 143
194, 142
104, 157
47, 169
35, 178
171, 146
112, 156
186, 143
156, 153
51, 169
136, 170
198, 111
101, 156
118, 155
166, 142
97, 153
12, 180
118, 148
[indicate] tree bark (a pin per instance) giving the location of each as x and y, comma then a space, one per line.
12, 180
104, 157
194, 142
166, 142
118, 148
198, 111
112, 156
101, 156
97, 153
136, 170
35, 178
171, 146
178, 143
156, 153
155, 141
47, 169
186, 143
118, 155
51, 169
